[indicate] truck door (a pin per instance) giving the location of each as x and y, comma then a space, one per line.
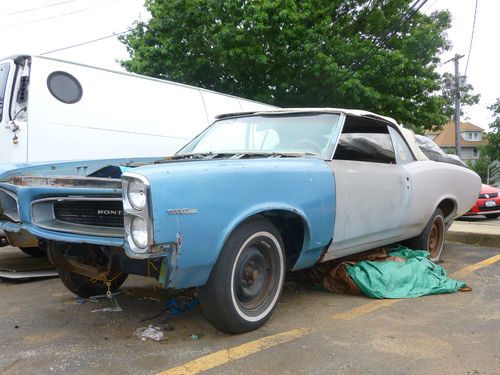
13, 135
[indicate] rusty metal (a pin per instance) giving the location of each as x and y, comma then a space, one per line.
21, 238
61, 261
90, 182
84, 269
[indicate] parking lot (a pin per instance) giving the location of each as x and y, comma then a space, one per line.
44, 329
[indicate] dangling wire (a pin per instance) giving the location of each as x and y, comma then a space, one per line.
471, 38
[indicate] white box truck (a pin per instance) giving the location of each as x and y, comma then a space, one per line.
53, 110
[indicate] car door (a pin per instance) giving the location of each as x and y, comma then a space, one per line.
372, 188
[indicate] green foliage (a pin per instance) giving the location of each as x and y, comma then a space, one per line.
298, 53
493, 147
467, 97
480, 165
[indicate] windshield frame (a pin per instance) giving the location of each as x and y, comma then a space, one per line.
186, 150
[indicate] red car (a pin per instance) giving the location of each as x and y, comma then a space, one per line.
488, 203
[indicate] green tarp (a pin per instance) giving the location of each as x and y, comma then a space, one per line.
413, 276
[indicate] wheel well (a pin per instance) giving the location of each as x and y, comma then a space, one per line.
292, 230
448, 207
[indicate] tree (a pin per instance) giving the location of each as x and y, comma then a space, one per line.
467, 97
493, 147
299, 53
481, 164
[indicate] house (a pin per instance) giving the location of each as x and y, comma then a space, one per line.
472, 137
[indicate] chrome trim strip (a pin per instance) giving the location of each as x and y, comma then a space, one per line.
130, 212
340, 124
74, 198
17, 218
60, 226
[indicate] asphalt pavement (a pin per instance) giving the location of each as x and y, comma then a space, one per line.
44, 329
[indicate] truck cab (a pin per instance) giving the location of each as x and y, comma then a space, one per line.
13, 106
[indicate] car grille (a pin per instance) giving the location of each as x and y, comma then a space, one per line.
486, 209
486, 196
95, 213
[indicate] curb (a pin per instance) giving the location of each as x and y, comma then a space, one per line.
477, 239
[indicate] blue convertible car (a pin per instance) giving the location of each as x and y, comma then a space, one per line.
253, 196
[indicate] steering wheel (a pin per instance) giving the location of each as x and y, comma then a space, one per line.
307, 145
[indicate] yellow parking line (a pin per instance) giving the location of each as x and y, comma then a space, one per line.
476, 266
223, 356
365, 309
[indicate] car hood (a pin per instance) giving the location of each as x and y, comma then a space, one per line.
82, 168
487, 189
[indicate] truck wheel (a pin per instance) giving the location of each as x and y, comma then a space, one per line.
85, 287
34, 252
246, 282
432, 238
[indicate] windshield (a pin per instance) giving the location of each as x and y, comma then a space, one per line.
4, 74
277, 133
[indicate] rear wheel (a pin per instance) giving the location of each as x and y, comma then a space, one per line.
432, 238
246, 282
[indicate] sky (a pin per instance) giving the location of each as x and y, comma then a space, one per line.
39, 26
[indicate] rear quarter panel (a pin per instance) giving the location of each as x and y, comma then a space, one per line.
431, 183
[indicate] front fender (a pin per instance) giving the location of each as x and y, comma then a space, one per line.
220, 194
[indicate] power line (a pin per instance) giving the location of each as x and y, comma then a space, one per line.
87, 42
430, 6
471, 38
59, 15
387, 36
38, 8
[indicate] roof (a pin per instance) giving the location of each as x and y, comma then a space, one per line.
467, 126
352, 112
21, 57
446, 136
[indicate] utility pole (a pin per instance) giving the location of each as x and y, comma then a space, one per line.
458, 145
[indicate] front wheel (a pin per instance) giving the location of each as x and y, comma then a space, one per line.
68, 258
34, 252
432, 238
86, 287
246, 282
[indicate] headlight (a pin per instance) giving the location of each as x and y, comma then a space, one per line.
139, 232
137, 194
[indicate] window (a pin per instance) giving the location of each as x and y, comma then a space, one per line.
475, 152
403, 153
310, 133
64, 87
365, 139
469, 136
4, 75
476, 136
